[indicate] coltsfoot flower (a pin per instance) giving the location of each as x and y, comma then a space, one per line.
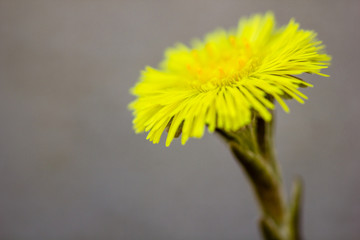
222, 80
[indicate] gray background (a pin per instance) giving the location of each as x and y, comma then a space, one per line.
72, 168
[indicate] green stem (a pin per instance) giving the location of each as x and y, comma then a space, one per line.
253, 148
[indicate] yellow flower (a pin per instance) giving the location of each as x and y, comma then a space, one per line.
221, 81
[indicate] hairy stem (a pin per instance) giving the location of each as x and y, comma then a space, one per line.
253, 148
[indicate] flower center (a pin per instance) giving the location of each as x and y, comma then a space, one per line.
219, 64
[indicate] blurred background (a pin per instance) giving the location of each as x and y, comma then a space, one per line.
71, 166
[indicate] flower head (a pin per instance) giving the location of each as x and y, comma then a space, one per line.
222, 80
